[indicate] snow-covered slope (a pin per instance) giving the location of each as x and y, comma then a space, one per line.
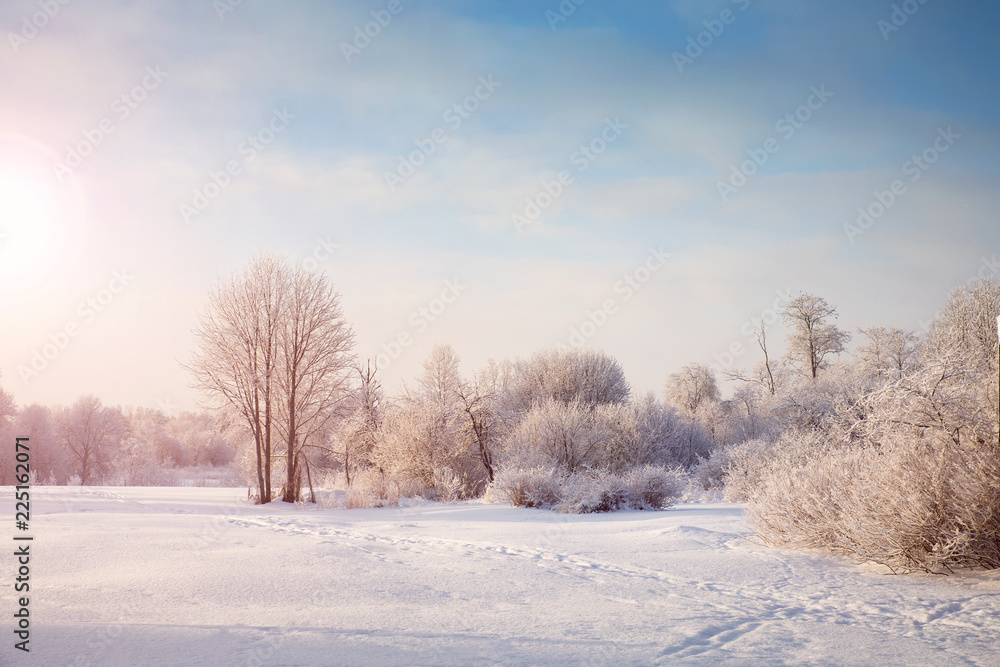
144, 576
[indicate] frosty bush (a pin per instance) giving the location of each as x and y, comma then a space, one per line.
653, 487
642, 488
907, 472
750, 462
527, 487
710, 474
922, 504
595, 492
370, 488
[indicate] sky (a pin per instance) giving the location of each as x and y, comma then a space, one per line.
503, 176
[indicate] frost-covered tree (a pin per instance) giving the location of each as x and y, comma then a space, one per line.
8, 408
48, 457
890, 351
237, 358
360, 433
565, 436
315, 346
648, 432
91, 433
480, 403
812, 339
275, 349
692, 388
426, 436
586, 377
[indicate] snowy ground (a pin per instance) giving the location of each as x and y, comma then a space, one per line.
167, 576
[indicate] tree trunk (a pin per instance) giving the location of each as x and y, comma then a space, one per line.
291, 456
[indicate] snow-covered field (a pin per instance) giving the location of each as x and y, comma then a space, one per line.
170, 576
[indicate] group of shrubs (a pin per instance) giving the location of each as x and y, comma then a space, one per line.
646, 487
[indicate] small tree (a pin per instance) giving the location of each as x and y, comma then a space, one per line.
692, 388
90, 432
888, 352
361, 431
813, 339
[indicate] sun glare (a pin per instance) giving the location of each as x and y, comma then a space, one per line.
27, 223
39, 230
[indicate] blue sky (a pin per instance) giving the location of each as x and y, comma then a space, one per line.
320, 181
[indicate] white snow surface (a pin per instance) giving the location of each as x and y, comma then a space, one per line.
194, 576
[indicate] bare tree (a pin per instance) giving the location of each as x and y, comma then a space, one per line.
888, 351
480, 404
49, 459
90, 432
361, 431
237, 357
767, 372
812, 338
315, 344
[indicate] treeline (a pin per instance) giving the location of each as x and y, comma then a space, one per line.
89, 443
889, 454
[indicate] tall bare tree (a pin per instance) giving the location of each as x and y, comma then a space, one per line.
237, 356
812, 339
315, 344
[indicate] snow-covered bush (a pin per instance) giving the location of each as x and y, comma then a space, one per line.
527, 487
371, 489
710, 473
653, 487
642, 488
923, 503
594, 492
907, 470
750, 462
